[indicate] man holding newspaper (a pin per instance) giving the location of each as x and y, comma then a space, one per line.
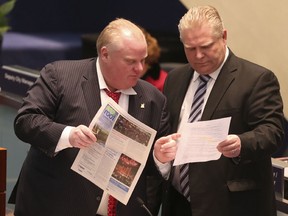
55, 120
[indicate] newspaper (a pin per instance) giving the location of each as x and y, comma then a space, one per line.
115, 162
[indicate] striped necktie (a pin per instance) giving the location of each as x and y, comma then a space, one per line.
196, 109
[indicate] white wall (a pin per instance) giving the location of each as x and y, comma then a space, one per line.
257, 31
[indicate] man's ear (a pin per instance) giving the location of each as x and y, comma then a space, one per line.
224, 36
104, 53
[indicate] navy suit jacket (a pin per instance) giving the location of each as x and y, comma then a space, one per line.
67, 93
249, 94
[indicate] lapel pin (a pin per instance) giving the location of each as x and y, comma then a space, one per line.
142, 106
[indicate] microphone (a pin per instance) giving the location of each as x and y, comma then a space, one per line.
142, 204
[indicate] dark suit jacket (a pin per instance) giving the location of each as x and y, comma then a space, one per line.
67, 93
249, 94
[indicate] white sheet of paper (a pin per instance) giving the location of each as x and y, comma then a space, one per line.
199, 140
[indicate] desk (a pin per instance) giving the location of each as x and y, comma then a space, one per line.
3, 162
37, 49
282, 207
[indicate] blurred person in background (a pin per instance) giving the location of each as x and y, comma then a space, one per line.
153, 73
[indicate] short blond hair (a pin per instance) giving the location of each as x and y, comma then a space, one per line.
199, 15
115, 30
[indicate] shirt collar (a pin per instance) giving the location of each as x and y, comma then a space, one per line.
103, 85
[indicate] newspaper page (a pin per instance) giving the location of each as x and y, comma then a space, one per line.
115, 162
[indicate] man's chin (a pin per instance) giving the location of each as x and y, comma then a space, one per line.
133, 82
130, 84
203, 69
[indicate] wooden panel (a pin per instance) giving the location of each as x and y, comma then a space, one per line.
2, 203
3, 165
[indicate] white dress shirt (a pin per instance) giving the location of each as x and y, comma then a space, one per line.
63, 142
184, 115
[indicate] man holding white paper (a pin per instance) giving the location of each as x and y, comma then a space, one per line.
240, 182
54, 120
199, 141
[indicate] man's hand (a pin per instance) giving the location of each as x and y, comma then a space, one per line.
230, 147
165, 148
81, 137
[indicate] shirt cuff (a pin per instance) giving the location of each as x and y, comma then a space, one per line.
63, 142
164, 168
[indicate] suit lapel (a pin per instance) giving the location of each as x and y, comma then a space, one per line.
135, 102
224, 80
182, 84
91, 91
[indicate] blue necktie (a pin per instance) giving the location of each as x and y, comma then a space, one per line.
196, 108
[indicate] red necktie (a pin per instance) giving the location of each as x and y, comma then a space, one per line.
114, 95
112, 202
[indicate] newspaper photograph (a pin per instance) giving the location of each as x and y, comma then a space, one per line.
115, 162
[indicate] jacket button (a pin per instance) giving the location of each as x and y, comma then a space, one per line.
98, 198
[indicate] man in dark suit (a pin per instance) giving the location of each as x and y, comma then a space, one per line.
240, 183
54, 118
